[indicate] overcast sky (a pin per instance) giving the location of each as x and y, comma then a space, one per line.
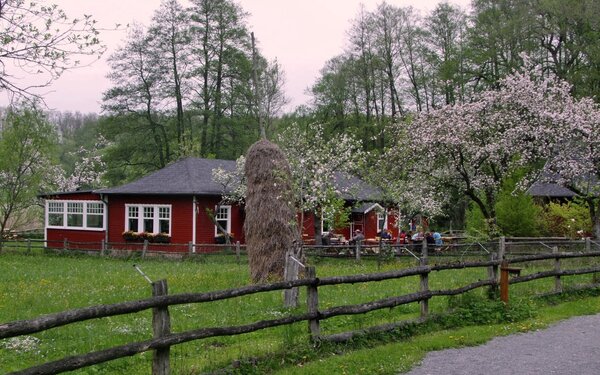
301, 34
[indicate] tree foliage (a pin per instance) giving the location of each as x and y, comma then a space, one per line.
27, 151
183, 86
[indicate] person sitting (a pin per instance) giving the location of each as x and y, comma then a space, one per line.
385, 234
417, 237
402, 237
437, 237
429, 238
358, 237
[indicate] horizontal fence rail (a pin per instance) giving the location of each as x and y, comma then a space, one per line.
500, 258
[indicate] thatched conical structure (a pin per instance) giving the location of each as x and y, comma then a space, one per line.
270, 226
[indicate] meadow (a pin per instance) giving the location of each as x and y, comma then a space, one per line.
33, 285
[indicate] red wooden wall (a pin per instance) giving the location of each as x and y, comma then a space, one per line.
82, 239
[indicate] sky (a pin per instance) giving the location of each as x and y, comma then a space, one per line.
301, 34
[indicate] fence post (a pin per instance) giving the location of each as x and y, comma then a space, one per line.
504, 281
28, 246
424, 280
588, 244
501, 250
65, 244
588, 248
237, 251
493, 276
102, 247
161, 326
190, 247
357, 250
144, 249
312, 302
557, 282
500, 257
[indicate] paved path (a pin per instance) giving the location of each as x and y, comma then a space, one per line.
569, 347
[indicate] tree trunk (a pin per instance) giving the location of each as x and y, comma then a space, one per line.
317, 227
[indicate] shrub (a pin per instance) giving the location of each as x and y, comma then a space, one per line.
569, 219
516, 213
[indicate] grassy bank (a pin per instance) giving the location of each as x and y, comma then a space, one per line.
35, 285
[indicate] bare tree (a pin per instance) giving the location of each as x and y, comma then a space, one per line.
41, 40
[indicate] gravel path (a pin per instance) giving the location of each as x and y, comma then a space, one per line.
569, 347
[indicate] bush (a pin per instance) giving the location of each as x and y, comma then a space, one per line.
516, 213
571, 219
475, 309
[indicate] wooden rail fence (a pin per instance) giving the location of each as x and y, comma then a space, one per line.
160, 301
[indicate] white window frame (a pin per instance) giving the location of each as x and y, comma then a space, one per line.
156, 217
323, 219
381, 215
65, 213
228, 218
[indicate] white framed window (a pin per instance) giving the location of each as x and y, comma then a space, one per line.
326, 222
150, 218
223, 217
84, 215
381, 222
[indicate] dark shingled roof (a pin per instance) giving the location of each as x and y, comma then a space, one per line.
193, 176
354, 189
550, 190
184, 177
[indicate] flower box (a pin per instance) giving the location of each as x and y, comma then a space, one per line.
131, 236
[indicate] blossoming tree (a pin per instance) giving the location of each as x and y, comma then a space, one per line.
316, 161
531, 119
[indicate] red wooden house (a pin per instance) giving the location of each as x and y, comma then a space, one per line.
175, 202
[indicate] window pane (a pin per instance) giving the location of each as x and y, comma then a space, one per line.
223, 224
164, 226
95, 208
55, 220
56, 207
223, 213
133, 211
95, 221
75, 207
148, 212
133, 224
75, 220
149, 225
164, 212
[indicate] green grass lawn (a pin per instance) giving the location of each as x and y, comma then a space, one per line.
31, 286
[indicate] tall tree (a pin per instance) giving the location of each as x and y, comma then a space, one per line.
169, 40
220, 40
446, 37
136, 99
502, 31
569, 31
